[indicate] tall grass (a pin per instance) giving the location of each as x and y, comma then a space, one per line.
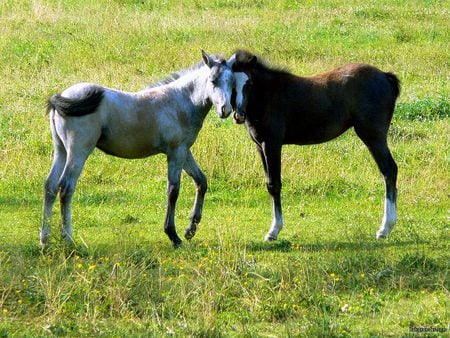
326, 276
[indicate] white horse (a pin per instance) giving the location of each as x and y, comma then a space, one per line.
164, 118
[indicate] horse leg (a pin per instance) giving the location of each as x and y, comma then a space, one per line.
272, 164
380, 152
79, 145
263, 159
67, 184
51, 189
389, 169
192, 169
175, 159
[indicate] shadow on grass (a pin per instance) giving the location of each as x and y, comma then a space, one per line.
32, 249
117, 197
288, 246
19, 201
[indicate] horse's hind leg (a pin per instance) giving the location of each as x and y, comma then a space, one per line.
72, 170
193, 170
51, 189
389, 169
79, 145
380, 152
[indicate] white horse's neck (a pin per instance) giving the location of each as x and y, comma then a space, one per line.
195, 84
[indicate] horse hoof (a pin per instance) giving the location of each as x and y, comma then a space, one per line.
44, 247
189, 234
269, 238
67, 240
177, 243
381, 234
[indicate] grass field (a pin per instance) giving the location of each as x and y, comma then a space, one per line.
325, 276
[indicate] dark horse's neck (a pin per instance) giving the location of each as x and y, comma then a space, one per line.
272, 87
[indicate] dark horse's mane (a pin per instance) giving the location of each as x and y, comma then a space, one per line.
176, 75
260, 64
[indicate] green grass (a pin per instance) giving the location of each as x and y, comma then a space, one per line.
326, 276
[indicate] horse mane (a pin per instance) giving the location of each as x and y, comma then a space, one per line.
176, 75
244, 57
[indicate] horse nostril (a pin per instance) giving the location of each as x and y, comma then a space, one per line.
224, 111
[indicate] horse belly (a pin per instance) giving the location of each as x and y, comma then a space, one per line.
125, 151
128, 144
316, 131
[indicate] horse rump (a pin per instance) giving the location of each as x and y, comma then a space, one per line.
84, 105
394, 81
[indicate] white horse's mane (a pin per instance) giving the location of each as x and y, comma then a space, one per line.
176, 75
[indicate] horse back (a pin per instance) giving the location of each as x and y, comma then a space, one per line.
350, 88
318, 108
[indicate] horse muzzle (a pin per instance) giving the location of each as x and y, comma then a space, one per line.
239, 116
225, 111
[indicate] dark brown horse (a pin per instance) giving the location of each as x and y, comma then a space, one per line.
281, 108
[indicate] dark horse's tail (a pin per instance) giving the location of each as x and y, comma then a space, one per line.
85, 105
395, 83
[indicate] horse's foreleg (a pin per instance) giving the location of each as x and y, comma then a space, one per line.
272, 157
192, 169
175, 159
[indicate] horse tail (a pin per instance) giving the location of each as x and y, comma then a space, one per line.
394, 82
87, 104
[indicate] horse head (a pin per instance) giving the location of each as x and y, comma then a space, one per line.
220, 84
242, 64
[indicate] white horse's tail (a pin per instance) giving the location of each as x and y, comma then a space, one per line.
87, 104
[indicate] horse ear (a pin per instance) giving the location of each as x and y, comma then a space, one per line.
231, 61
244, 58
207, 60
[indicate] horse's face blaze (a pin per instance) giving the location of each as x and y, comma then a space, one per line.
242, 88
